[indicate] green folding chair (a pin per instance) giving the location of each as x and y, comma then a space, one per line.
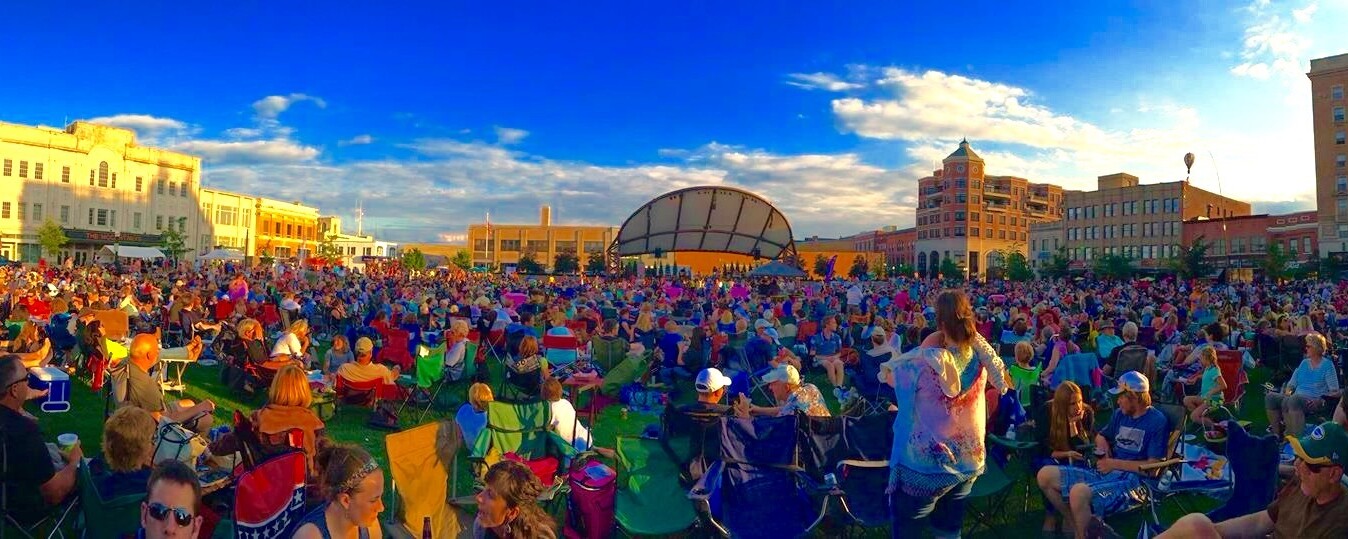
108, 519
987, 500
650, 499
608, 353
522, 428
629, 370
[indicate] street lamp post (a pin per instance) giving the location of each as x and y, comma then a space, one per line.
117, 250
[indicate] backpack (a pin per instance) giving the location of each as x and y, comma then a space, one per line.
384, 416
590, 512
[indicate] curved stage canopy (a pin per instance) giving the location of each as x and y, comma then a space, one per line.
715, 219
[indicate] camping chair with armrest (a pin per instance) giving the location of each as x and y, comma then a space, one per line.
561, 350
608, 353
395, 349
367, 393
806, 329
421, 479
650, 499
106, 519
270, 317
1251, 459
525, 429
1291, 350
993, 489
1168, 478
864, 471
758, 487
1232, 366
269, 499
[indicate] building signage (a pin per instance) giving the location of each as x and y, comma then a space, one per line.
79, 235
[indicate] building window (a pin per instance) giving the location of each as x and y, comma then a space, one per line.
101, 217
1306, 245
37, 212
1336, 92
1343, 231
103, 174
139, 183
4, 210
65, 174
1340, 137
159, 186
65, 214
973, 232
1343, 209
9, 167
510, 245
173, 189
1341, 161
1341, 184
159, 222
135, 220
37, 171
23, 169
1338, 114
114, 180
23, 210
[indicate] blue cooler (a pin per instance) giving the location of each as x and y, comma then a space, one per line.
57, 382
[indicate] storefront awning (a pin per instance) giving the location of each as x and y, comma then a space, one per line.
132, 251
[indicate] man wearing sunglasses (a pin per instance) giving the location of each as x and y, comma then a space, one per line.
1313, 504
171, 506
30, 484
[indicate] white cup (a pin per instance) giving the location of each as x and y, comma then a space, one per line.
67, 441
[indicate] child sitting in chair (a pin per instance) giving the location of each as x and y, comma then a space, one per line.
1211, 389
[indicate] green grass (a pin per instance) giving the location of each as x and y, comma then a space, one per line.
86, 419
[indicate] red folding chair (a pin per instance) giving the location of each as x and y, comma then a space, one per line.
376, 389
806, 329
1232, 365
271, 317
561, 349
224, 309
395, 349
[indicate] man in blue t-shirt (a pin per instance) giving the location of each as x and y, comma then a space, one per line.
1137, 434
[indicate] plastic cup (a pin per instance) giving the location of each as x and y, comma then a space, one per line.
67, 441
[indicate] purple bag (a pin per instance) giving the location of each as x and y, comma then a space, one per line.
590, 506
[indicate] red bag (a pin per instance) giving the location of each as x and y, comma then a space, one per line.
97, 369
545, 468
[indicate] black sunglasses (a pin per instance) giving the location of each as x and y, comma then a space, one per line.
161, 512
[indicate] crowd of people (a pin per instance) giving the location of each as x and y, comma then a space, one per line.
943, 358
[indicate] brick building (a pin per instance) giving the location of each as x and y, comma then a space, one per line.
969, 217
1329, 77
1243, 241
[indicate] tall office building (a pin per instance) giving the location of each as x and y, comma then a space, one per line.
970, 218
1328, 77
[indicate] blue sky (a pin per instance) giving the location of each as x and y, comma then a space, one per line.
434, 114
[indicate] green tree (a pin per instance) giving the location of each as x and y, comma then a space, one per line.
596, 265
52, 238
1058, 266
820, 266
1192, 262
860, 267
565, 263
172, 242
528, 264
1113, 266
1017, 267
329, 251
414, 259
903, 270
951, 270
463, 259
1275, 262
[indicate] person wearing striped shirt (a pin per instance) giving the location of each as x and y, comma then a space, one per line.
1313, 380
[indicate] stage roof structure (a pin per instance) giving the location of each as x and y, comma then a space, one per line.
709, 218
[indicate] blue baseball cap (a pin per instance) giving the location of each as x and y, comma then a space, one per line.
1132, 381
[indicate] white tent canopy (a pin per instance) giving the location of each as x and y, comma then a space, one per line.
221, 254
719, 219
131, 251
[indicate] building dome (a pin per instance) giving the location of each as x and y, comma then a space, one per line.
964, 153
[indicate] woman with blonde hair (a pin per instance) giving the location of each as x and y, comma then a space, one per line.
128, 453
472, 416
456, 357
294, 344
287, 409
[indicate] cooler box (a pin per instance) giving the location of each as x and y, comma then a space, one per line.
57, 382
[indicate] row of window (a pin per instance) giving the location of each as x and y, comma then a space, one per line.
975, 232
541, 246
1132, 207
100, 177
1130, 230
227, 215
976, 217
287, 230
1131, 251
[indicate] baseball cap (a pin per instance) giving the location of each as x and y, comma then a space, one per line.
1325, 444
1132, 381
710, 380
761, 323
783, 373
772, 334
364, 345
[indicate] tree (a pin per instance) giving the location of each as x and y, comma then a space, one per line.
903, 270
860, 267
414, 259
820, 266
1275, 262
463, 259
1057, 266
1114, 266
528, 264
1192, 260
595, 264
329, 251
172, 243
1017, 268
565, 263
52, 238
951, 270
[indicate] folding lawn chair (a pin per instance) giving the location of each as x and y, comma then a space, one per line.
269, 499
106, 519
650, 499
865, 471
607, 353
758, 488
993, 488
561, 350
395, 349
49, 525
1232, 366
421, 479
1169, 477
1252, 457
525, 429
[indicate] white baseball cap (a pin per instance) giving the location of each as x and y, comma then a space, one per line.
710, 380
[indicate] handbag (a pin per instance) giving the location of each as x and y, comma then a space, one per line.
175, 442
384, 416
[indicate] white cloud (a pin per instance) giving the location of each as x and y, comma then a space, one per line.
249, 151
821, 81
357, 140
273, 105
139, 122
508, 135
1274, 45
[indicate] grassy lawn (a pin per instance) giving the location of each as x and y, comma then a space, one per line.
1021, 520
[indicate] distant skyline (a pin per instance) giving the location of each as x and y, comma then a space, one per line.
434, 114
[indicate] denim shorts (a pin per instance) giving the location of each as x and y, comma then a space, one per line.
1111, 493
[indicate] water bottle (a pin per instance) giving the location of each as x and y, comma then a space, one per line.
426, 528
1011, 433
